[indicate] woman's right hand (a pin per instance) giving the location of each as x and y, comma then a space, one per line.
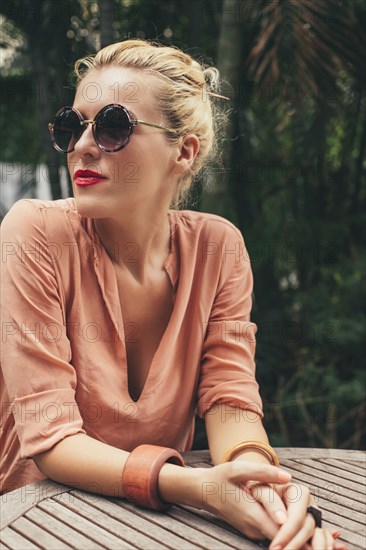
222, 491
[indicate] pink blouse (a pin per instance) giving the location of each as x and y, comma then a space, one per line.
63, 354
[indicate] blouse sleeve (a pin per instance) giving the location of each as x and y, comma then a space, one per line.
227, 373
36, 352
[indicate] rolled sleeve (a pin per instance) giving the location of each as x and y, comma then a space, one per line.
227, 372
44, 418
36, 353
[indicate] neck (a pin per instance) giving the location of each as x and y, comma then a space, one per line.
137, 243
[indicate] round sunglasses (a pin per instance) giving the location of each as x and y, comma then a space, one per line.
112, 128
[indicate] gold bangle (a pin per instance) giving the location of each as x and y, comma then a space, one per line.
263, 448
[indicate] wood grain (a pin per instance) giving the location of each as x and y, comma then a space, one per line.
53, 516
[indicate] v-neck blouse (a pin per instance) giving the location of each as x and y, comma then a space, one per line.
64, 355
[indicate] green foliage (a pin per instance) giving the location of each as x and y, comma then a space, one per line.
18, 143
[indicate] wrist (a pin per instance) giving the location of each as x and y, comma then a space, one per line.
140, 477
179, 485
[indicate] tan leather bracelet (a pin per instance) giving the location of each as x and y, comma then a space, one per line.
246, 446
141, 474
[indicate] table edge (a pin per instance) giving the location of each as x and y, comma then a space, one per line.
295, 453
19, 501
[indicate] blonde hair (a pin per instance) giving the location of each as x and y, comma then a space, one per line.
185, 95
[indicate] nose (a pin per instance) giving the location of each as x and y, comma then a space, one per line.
86, 144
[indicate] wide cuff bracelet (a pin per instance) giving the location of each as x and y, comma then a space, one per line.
141, 474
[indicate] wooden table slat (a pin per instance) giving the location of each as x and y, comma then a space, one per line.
310, 468
110, 506
341, 511
110, 524
337, 466
352, 490
305, 452
88, 528
356, 542
325, 495
15, 541
201, 540
354, 466
361, 460
38, 536
17, 502
214, 527
192, 457
64, 532
347, 522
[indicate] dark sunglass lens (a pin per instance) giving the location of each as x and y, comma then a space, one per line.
112, 128
66, 129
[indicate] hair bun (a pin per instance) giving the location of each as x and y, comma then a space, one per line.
212, 78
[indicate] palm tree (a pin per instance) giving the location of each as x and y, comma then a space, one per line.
295, 159
304, 46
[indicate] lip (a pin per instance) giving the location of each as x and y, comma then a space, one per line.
84, 178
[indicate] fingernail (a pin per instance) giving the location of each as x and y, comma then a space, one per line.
280, 517
336, 534
284, 475
277, 547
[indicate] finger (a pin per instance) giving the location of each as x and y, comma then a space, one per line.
329, 540
293, 492
266, 527
242, 471
302, 536
296, 497
251, 519
270, 500
318, 542
338, 544
258, 516
259, 522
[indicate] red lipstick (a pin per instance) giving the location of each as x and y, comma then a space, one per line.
87, 177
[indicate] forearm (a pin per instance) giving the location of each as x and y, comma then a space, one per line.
227, 426
85, 463
89, 464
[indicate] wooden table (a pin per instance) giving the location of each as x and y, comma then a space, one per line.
52, 516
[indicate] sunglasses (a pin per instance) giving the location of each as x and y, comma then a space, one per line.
112, 128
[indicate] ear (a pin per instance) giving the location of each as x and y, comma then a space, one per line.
186, 153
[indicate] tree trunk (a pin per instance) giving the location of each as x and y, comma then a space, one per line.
195, 14
45, 114
106, 21
217, 198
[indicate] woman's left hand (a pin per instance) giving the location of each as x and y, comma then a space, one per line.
297, 530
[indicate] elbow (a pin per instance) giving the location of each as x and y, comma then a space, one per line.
55, 461
52, 462
41, 460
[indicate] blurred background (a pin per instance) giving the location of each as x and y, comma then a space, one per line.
291, 174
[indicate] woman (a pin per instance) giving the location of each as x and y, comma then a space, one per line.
123, 314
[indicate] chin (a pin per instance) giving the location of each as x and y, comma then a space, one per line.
91, 207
